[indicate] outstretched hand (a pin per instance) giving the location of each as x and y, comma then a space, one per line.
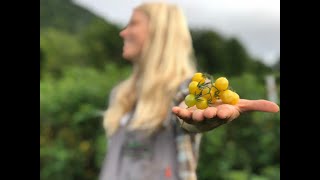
225, 112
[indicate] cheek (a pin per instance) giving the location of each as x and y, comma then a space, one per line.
141, 40
132, 49
144, 36
135, 40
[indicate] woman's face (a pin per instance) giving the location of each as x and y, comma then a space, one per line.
134, 35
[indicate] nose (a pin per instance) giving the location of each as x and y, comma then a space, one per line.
123, 32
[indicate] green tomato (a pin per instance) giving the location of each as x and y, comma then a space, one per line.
190, 100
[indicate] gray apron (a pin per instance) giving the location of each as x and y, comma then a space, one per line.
132, 155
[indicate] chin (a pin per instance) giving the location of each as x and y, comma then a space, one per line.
129, 56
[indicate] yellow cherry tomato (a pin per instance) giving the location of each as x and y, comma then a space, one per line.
226, 96
236, 98
198, 77
222, 83
206, 93
193, 87
202, 103
190, 100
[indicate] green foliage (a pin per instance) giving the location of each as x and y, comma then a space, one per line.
216, 54
72, 139
276, 66
60, 50
103, 43
209, 50
237, 175
64, 15
237, 58
259, 69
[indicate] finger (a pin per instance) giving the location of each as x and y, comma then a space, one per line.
257, 105
227, 112
182, 113
210, 112
197, 115
175, 110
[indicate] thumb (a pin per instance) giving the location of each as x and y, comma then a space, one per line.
258, 105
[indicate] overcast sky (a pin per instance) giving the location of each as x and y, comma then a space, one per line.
256, 23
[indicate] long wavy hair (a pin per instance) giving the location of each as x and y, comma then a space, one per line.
167, 59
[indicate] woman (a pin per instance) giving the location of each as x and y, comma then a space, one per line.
146, 137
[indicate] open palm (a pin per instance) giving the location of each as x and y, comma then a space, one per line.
223, 112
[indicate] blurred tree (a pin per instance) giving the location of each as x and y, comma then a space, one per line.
228, 57
64, 15
71, 35
72, 139
257, 67
61, 50
276, 66
102, 41
209, 50
41, 61
237, 59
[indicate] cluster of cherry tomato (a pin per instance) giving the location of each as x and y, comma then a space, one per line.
203, 91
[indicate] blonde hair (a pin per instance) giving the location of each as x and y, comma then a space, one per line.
167, 59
